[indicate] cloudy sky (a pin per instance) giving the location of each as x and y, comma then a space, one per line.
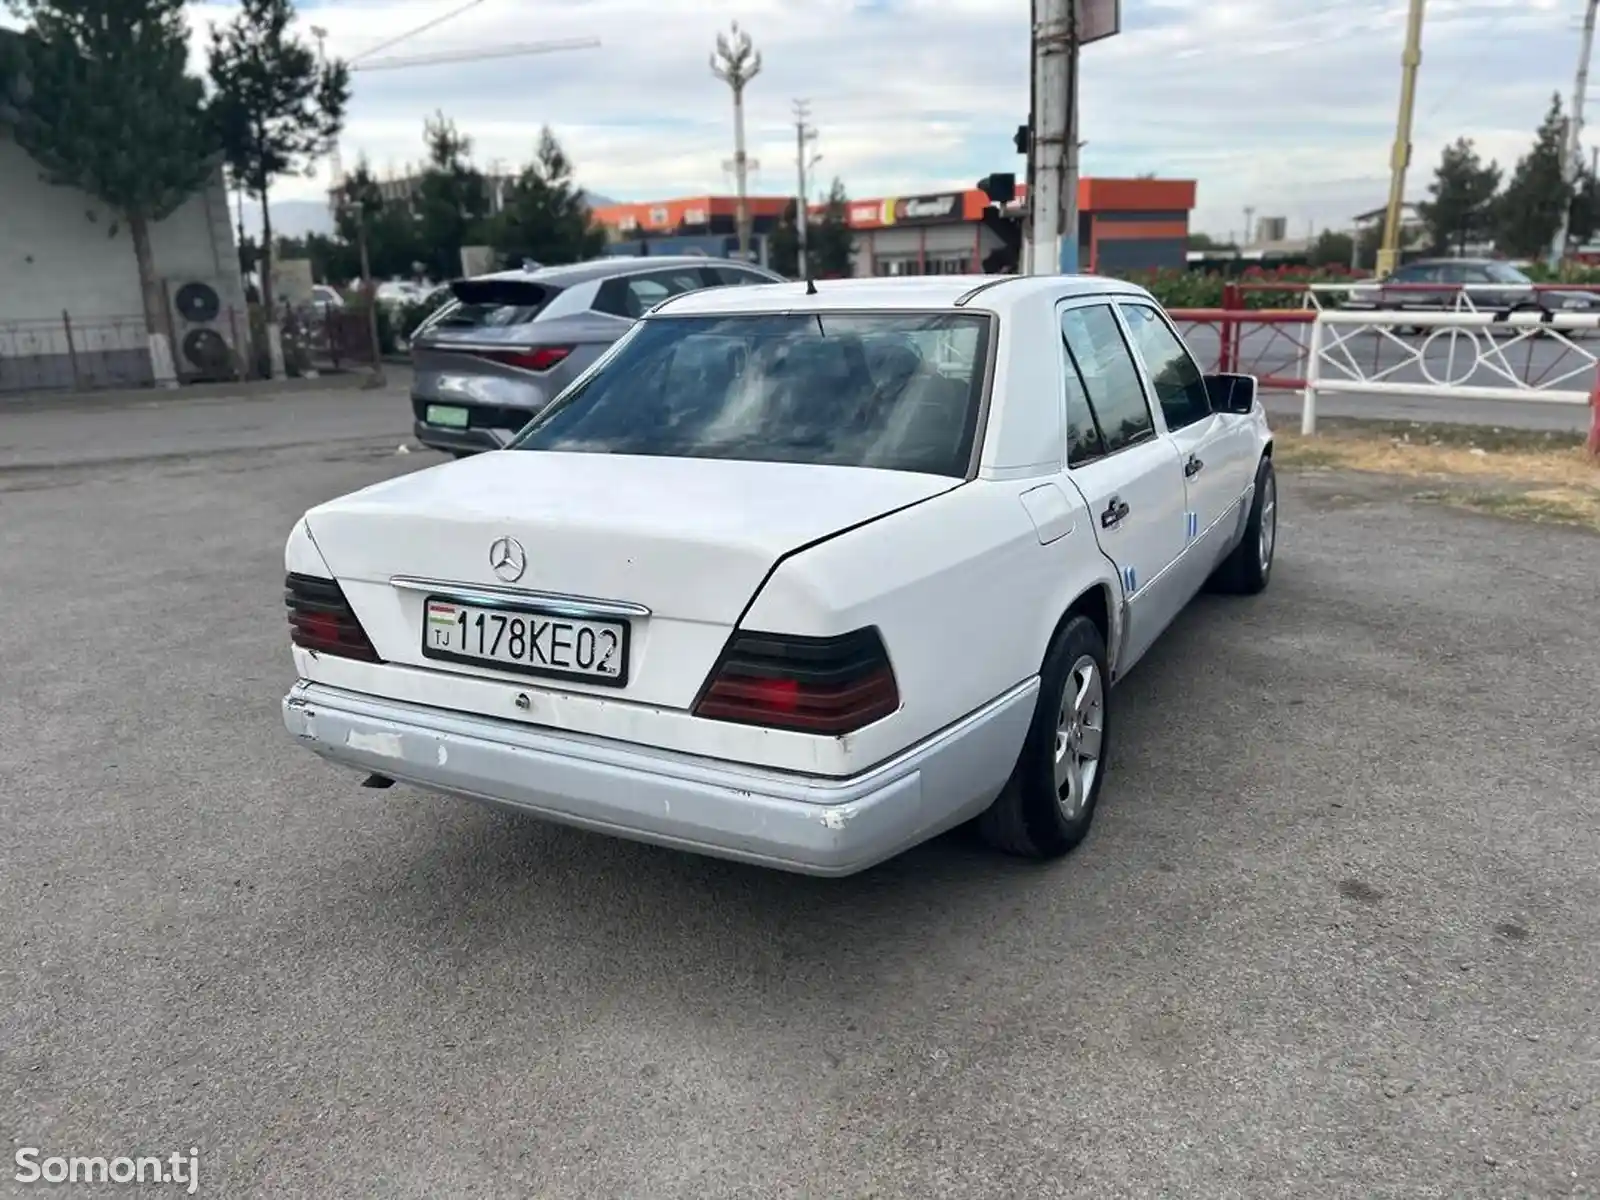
1286, 106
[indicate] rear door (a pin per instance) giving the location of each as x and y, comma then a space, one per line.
1127, 469
1216, 449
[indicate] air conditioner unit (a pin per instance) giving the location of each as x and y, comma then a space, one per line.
203, 334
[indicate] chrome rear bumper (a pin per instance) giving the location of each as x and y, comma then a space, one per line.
808, 824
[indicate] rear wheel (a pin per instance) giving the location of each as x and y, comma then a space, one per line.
1048, 803
1248, 569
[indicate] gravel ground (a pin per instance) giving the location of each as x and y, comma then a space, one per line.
1336, 933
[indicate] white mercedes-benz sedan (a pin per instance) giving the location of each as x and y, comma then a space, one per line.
796, 574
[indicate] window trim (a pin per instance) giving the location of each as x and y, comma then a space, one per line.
1146, 380
1107, 300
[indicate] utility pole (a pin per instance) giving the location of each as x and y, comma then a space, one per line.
1049, 204
736, 62
804, 134
1400, 156
1249, 226
1570, 160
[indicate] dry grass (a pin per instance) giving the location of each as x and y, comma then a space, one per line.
1511, 473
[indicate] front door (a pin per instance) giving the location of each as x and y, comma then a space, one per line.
1127, 470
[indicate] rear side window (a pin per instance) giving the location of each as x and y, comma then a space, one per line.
1117, 401
887, 390
1180, 388
634, 295
736, 276
493, 303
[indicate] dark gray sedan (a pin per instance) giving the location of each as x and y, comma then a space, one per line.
506, 344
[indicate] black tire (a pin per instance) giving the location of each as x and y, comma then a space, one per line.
1248, 569
1028, 818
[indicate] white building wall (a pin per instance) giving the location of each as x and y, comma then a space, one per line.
61, 249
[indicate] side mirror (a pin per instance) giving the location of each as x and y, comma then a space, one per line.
1232, 393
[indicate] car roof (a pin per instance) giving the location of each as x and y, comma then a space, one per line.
988, 293
568, 274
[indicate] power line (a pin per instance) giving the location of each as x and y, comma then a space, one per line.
459, 56
423, 28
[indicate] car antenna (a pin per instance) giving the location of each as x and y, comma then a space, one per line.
811, 286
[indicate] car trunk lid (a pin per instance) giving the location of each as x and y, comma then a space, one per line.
689, 541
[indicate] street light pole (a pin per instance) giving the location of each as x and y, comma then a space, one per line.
1569, 161
803, 135
736, 62
1400, 157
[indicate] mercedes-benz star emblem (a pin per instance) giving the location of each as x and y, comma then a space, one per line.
507, 559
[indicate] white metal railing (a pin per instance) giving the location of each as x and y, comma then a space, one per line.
1474, 347
1319, 296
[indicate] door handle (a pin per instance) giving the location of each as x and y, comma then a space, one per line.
1192, 467
1115, 511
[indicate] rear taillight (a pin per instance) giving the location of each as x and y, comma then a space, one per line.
827, 685
321, 619
539, 358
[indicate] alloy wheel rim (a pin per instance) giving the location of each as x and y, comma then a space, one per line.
1080, 735
1269, 521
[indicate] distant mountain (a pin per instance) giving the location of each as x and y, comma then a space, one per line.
297, 218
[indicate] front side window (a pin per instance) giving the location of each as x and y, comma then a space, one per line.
1180, 388
1105, 364
887, 390
1505, 273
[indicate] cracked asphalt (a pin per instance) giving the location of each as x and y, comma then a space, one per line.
1336, 932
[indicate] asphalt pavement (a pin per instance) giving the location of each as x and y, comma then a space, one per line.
1336, 932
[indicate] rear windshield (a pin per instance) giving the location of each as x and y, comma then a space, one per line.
894, 391
489, 303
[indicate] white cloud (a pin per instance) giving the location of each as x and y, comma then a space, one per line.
1287, 106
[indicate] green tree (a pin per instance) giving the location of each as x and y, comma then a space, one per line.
1461, 208
544, 216
830, 243
1332, 249
393, 247
783, 243
1529, 211
1204, 241
102, 100
452, 199
277, 108
1585, 207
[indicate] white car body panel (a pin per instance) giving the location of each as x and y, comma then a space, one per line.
966, 581
689, 540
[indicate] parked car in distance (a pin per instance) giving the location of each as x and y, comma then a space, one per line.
796, 578
509, 342
1492, 284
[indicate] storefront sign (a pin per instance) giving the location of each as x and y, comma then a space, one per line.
928, 208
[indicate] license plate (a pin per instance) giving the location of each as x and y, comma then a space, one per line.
445, 414
526, 640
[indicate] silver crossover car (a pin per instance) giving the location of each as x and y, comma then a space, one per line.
506, 344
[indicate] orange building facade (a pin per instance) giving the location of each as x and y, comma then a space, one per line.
1123, 224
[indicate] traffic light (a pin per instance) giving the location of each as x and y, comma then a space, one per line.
1021, 138
1001, 189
